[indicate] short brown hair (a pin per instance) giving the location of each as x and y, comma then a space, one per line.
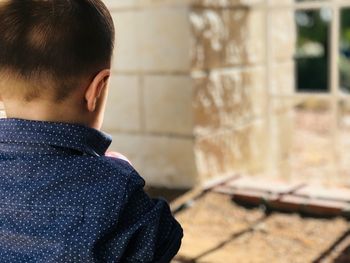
58, 40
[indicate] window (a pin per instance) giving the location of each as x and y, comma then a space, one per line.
309, 125
344, 55
312, 51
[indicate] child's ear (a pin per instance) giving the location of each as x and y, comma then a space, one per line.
94, 90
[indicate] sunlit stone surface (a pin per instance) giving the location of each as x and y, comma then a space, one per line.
194, 76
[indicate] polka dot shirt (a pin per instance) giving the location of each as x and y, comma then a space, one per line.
62, 200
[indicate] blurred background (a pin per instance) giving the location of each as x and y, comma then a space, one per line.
206, 88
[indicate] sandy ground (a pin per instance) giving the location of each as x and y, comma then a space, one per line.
218, 230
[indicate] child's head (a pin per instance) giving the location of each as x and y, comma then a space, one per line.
55, 51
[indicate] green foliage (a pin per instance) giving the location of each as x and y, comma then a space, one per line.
345, 25
312, 72
344, 60
315, 31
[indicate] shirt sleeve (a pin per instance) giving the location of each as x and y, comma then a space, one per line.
153, 233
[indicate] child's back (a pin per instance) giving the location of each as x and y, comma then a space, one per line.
61, 198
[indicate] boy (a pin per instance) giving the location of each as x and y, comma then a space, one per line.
61, 198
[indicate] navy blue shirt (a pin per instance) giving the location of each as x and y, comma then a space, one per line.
62, 200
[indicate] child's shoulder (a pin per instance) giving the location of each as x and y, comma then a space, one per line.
102, 169
105, 176
115, 164
120, 168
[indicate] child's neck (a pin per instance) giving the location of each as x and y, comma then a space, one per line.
45, 110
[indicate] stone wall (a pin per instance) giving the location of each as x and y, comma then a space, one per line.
189, 98
149, 112
228, 68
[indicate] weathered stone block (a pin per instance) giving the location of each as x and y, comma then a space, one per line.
301, 141
127, 47
117, 4
280, 2
282, 79
123, 104
227, 99
165, 41
343, 146
163, 44
282, 105
168, 104
128, 4
283, 34
227, 37
232, 151
280, 140
123, 4
226, 3
161, 160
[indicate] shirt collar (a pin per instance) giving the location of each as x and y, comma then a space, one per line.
75, 136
